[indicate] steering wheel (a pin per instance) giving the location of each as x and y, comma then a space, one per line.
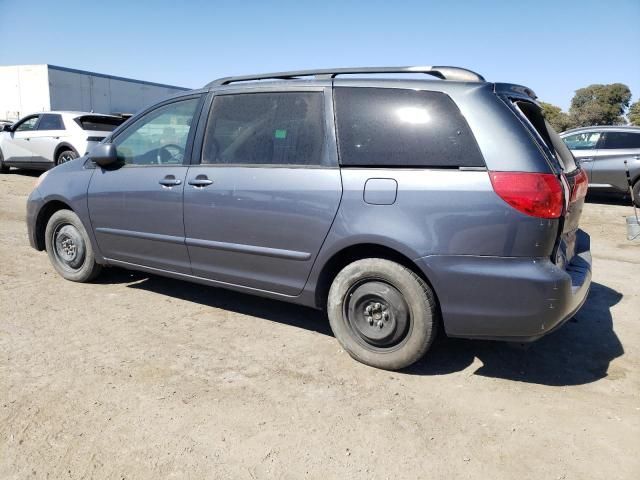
169, 152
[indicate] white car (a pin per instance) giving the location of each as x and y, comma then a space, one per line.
43, 140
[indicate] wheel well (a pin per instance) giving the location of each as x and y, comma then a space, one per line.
62, 148
43, 218
358, 252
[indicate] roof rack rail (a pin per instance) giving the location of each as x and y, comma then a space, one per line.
442, 72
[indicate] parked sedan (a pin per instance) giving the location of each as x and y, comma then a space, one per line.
43, 140
602, 152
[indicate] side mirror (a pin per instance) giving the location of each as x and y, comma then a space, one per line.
7, 127
104, 154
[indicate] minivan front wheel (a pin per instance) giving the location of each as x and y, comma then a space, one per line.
69, 248
382, 313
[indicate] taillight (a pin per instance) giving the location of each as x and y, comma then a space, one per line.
580, 186
536, 194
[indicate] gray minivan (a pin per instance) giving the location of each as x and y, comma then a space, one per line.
398, 205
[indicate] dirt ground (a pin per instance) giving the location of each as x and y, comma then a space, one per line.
140, 377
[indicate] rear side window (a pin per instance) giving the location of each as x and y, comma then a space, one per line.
547, 136
265, 129
98, 123
51, 122
621, 140
388, 127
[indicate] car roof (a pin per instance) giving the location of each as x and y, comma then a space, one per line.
597, 128
71, 113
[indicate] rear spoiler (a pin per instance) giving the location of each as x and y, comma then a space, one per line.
513, 90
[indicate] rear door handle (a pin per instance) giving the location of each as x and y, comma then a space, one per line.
586, 159
200, 181
170, 181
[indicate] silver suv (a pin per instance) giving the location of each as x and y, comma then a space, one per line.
602, 152
399, 206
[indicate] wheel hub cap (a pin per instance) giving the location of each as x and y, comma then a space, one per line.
69, 246
377, 313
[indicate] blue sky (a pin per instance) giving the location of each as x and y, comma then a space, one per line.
553, 47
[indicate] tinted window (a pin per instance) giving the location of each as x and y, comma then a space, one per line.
265, 129
159, 137
27, 125
621, 140
402, 128
547, 135
51, 122
99, 124
582, 141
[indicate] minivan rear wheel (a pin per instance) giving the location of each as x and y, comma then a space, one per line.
636, 193
382, 313
69, 247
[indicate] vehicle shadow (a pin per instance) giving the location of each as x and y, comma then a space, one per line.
609, 198
578, 353
245, 304
25, 172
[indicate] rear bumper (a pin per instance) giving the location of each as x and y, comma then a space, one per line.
508, 298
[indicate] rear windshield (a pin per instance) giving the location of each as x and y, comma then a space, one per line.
98, 123
393, 127
546, 135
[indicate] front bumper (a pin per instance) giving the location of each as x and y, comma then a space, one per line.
34, 204
508, 298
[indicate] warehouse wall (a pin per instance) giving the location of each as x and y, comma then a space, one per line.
23, 89
102, 94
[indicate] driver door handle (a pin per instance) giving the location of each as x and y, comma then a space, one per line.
170, 181
200, 181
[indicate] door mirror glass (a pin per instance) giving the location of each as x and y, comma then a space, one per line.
104, 155
6, 127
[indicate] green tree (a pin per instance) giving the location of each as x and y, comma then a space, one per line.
634, 114
558, 119
600, 105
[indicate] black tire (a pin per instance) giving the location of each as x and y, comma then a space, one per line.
3, 168
400, 304
636, 193
69, 247
66, 156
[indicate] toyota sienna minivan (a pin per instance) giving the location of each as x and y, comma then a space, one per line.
399, 205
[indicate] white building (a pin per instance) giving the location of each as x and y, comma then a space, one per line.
37, 88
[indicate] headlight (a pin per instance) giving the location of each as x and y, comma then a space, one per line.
40, 179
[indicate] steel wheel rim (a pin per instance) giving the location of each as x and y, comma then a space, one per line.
377, 315
68, 247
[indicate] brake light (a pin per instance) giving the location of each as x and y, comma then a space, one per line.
580, 186
536, 194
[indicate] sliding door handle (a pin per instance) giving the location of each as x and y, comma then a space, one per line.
200, 181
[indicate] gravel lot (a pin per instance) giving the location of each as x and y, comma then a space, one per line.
140, 377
